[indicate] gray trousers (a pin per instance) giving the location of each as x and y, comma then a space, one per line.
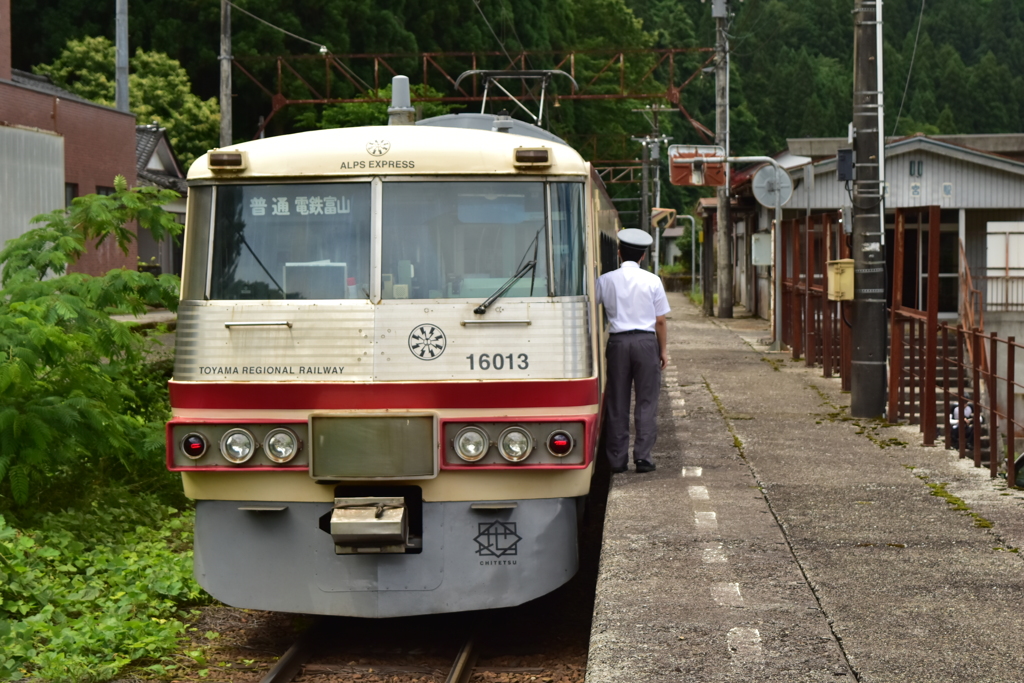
634, 360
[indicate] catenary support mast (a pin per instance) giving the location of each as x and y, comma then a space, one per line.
720, 11
225, 73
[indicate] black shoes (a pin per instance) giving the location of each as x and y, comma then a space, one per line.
620, 470
644, 466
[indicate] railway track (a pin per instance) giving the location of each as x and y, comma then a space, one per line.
293, 661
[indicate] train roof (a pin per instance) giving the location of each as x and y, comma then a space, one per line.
488, 122
434, 147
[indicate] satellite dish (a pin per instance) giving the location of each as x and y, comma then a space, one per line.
772, 188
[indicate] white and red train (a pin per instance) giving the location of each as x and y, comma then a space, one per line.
386, 398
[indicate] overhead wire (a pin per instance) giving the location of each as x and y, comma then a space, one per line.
906, 86
305, 40
484, 15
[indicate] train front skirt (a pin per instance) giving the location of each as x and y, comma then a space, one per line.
276, 557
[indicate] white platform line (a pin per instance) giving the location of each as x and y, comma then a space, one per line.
714, 554
744, 643
706, 520
692, 471
698, 492
727, 594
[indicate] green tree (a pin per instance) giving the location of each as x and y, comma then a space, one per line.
158, 90
78, 394
376, 113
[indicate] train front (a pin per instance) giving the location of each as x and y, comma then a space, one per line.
385, 398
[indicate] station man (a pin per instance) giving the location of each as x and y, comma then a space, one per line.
635, 303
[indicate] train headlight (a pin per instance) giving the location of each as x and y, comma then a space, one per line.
471, 444
515, 443
193, 446
281, 445
237, 445
560, 443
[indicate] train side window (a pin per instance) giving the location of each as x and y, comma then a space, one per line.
567, 238
609, 253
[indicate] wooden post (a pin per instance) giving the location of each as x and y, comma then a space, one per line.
895, 324
961, 399
826, 305
993, 414
945, 386
809, 317
1011, 426
931, 330
976, 391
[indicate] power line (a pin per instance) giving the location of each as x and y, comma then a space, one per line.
276, 28
477, 3
323, 48
906, 86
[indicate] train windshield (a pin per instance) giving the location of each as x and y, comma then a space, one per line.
445, 240
308, 241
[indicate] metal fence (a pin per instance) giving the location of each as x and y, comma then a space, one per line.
812, 326
935, 368
1001, 293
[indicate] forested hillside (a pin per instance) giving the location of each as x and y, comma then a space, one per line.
792, 59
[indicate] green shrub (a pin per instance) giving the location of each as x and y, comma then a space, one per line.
86, 592
670, 269
80, 397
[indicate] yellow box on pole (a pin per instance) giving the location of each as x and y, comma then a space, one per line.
840, 280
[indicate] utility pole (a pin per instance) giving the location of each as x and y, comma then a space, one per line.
645, 187
121, 56
225, 74
867, 379
651, 154
707, 272
720, 12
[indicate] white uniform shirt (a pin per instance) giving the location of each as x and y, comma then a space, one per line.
633, 298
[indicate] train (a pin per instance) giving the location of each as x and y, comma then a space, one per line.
387, 390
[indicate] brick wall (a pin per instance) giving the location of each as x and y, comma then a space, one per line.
5, 40
99, 143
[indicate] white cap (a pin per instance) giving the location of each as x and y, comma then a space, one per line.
635, 238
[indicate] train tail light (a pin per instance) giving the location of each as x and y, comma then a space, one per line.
193, 446
560, 444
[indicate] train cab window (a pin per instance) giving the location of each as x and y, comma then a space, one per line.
567, 238
457, 240
309, 241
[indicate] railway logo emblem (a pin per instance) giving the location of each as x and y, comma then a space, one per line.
497, 539
378, 148
427, 342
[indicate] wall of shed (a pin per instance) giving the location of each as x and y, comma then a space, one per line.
971, 185
99, 143
31, 177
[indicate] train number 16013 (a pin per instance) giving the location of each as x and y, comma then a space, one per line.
497, 361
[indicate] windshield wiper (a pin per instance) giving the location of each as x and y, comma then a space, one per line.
520, 274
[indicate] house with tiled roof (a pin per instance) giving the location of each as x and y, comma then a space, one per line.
156, 165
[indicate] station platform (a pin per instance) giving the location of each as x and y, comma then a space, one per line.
781, 540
